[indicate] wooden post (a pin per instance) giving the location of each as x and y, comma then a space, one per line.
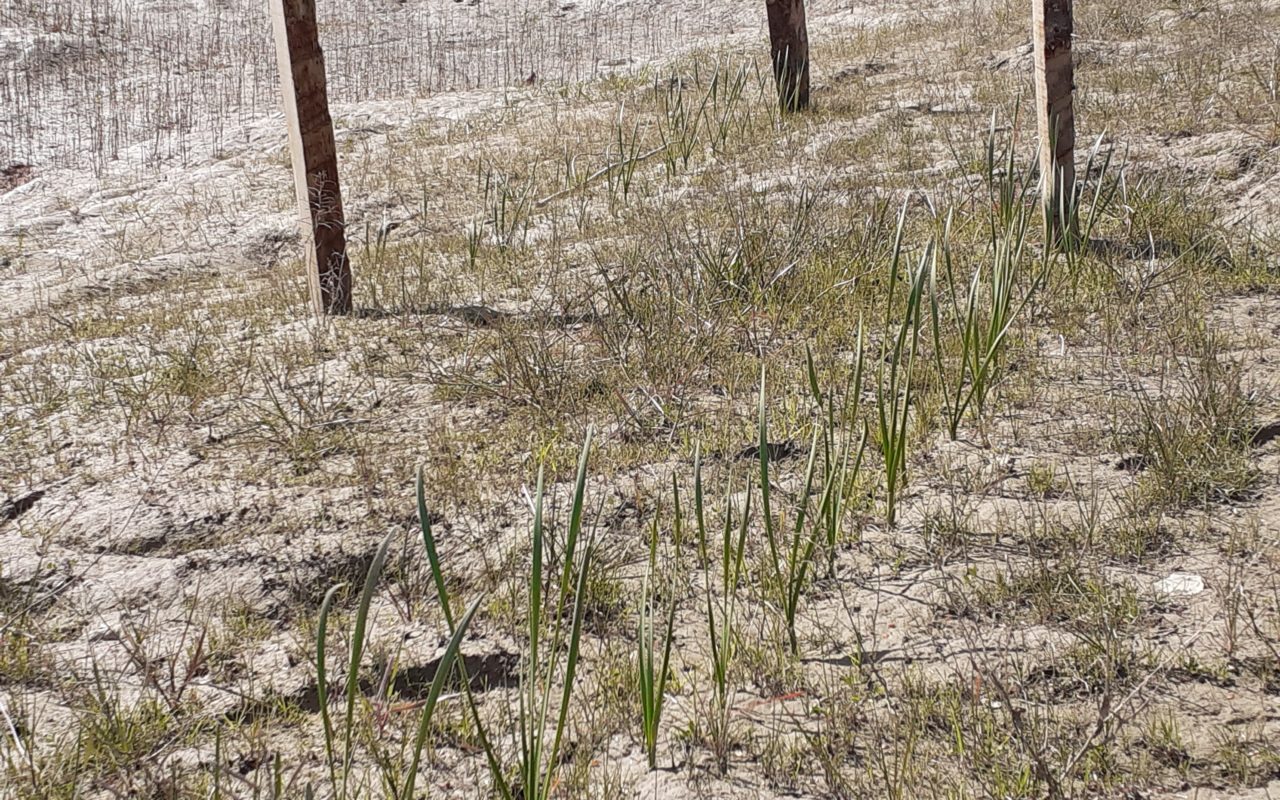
789, 47
315, 159
1051, 28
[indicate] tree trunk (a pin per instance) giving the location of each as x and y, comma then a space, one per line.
1052, 28
311, 146
789, 46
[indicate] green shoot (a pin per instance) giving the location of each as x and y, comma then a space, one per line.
790, 566
652, 676
553, 653
896, 369
444, 669
721, 610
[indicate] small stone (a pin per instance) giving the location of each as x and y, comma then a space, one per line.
1187, 584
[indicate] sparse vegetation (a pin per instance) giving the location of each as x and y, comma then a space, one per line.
757, 454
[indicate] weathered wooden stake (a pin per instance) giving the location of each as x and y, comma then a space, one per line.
789, 46
1052, 26
315, 160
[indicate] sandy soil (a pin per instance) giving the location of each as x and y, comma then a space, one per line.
112, 535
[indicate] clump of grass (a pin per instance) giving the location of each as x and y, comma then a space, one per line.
651, 675
722, 607
553, 650
998, 291
1195, 439
1062, 591
791, 562
842, 476
340, 770
1094, 194
895, 372
792, 559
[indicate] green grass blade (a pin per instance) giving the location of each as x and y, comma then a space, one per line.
443, 670
357, 650
765, 502
322, 679
571, 666
700, 519
433, 558
428, 538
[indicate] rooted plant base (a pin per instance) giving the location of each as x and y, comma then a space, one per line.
1079, 595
